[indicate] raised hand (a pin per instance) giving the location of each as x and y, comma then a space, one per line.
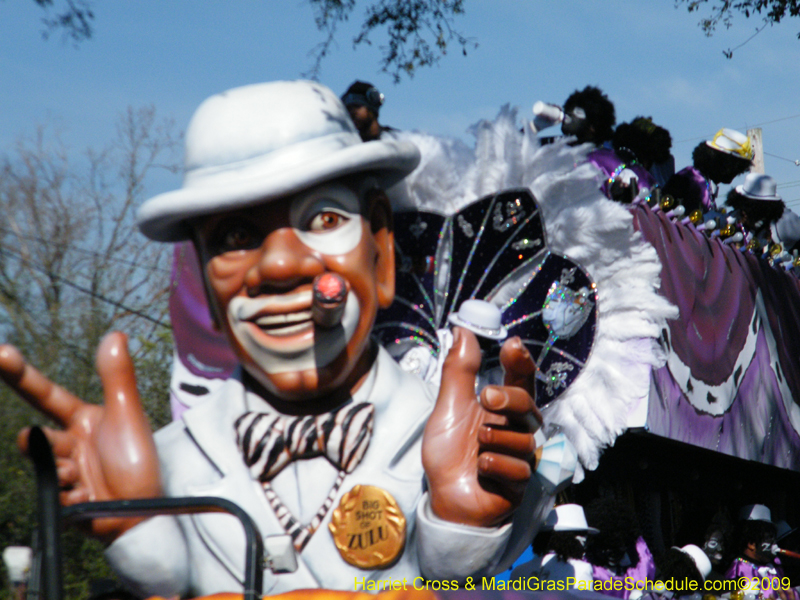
102, 452
478, 452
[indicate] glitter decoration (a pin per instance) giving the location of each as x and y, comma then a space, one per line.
466, 228
514, 214
494, 249
556, 376
525, 244
616, 173
418, 228
565, 310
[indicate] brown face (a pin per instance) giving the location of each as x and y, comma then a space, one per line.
362, 116
260, 264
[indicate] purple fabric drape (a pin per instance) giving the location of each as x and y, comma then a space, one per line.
732, 374
203, 349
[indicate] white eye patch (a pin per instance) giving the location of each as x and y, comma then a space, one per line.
308, 210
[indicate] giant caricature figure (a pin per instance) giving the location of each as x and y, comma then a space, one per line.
279, 189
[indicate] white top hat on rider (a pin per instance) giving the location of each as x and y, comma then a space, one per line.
755, 512
481, 318
260, 142
568, 517
734, 142
699, 557
758, 186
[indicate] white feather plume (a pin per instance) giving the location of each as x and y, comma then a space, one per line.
584, 225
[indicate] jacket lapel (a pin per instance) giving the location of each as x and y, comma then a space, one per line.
211, 426
392, 462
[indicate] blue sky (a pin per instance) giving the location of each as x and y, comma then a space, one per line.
648, 56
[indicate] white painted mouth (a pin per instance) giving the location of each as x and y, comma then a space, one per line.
250, 309
284, 324
279, 335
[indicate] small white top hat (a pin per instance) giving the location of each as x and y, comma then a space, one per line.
699, 557
481, 318
568, 517
260, 142
734, 142
755, 512
758, 186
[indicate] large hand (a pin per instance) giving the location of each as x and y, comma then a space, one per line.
477, 455
103, 452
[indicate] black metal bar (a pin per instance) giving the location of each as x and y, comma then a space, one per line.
254, 551
48, 507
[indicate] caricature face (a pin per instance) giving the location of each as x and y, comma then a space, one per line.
575, 123
765, 551
260, 264
714, 547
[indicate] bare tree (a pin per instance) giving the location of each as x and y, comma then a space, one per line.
72, 264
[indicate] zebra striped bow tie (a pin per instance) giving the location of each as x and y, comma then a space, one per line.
269, 442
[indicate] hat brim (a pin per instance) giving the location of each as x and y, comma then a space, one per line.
164, 217
740, 190
589, 530
492, 334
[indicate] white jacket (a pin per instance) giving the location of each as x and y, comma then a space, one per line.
204, 554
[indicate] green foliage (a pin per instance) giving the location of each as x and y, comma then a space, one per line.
152, 376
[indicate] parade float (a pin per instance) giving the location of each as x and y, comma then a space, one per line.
677, 377
666, 358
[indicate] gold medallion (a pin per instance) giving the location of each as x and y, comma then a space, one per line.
368, 528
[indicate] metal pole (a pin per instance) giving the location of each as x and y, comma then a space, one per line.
254, 551
48, 508
758, 150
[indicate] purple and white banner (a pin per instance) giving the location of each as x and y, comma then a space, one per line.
733, 354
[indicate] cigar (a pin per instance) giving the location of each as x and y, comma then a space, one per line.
788, 554
330, 294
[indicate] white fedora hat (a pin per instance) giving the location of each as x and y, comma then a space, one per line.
567, 517
481, 318
699, 557
265, 141
758, 186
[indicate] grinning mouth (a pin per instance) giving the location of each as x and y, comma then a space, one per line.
284, 324
251, 309
284, 316
278, 334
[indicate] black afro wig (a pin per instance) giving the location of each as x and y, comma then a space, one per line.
599, 111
